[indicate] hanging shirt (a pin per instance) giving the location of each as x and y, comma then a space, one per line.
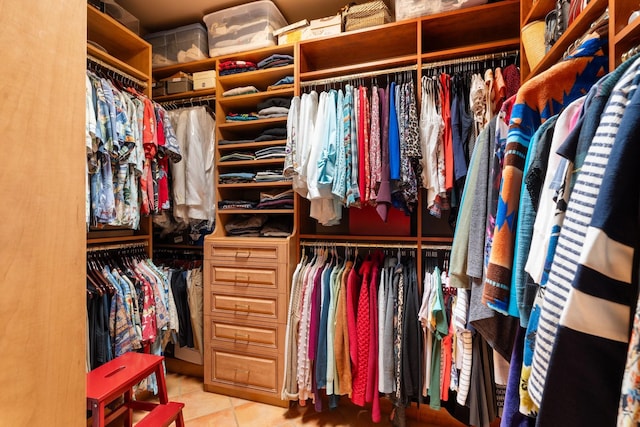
363, 142
383, 197
394, 136
289, 384
292, 158
341, 344
353, 192
374, 142
431, 127
447, 136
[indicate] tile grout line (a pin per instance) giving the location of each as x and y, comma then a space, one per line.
233, 410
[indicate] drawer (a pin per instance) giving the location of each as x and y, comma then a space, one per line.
247, 252
258, 337
240, 307
259, 278
244, 370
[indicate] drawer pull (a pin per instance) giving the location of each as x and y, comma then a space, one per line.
242, 307
243, 254
241, 337
244, 373
242, 278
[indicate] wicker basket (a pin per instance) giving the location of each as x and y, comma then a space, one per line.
533, 42
366, 15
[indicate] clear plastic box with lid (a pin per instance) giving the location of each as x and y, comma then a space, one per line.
241, 28
409, 9
179, 45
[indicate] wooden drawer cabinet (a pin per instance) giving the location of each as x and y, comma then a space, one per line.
246, 297
244, 370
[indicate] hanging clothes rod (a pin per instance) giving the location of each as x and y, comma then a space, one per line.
117, 246
436, 247
360, 245
118, 72
600, 26
348, 77
470, 59
181, 102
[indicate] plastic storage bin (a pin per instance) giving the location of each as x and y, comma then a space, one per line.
182, 44
241, 28
408, 9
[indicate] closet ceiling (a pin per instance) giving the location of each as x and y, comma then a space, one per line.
166, 14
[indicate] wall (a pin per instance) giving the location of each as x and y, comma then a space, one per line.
42, 237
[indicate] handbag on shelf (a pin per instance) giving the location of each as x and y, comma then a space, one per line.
556, 23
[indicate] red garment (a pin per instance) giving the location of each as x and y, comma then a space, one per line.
445, 94
445, 378
372, 395
148, 318
353, 290
146, 187
149, 143
363, 325
149, 136
232, 65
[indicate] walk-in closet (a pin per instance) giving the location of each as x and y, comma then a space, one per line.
312, 213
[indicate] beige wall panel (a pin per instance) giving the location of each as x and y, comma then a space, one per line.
42, 236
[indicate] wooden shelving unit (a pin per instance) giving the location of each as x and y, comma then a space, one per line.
594, 9
623, 35
130, 54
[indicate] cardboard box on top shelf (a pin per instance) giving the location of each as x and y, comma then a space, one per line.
158, 88
178, 83
204, 80
291, 33
322, 27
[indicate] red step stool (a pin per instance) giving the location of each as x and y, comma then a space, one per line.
117, 378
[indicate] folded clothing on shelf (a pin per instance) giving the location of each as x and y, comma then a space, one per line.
276, 227
241, 117
269, 176
276, 101
273, 112
275, 60
237, 204
235, 67
259, 226
234, 141
277, 200
245, 225
274, 152
236, 177
242, 90
283, 83
272, 134
237, 156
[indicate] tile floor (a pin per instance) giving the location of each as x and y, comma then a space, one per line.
209, 409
